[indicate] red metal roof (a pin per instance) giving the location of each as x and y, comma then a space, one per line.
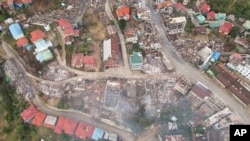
28, 113
77, 60
37, 35
226, 27
69, 126
179, 6
211, 15
123, 11
130, 32
21, 42
59, 126
39, 118
68, 31
83, 130
76, 32
64, 24
205, 7
89, 61
164, 4
27, 1
10, 1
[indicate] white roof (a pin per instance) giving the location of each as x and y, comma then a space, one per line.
51, 120
205, 53
106, 49
42, 45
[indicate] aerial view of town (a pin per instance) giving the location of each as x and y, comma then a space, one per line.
124, 70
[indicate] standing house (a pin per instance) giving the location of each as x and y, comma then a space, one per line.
67, 28
226, 27
106, 49
18, 4
22, 42
131, 35
27, 3
42, 52
29, 113
211, 15
246, 25
77, 60
97, 134
16, 31
205, 8
89, 62
10, 4
136, 61
84, 131
123, 13
39, 118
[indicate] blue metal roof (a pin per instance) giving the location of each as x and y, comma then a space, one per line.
97, 134
216, 55
16, 31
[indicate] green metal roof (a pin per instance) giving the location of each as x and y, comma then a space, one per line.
201, 19
220, 16
246, 25
136, 58
44, 55
215, 24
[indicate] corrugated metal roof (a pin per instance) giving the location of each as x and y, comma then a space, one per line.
136, 57
16, 31
42, 45
44, 56
97, 134
106, 49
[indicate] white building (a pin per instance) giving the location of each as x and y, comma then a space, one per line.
106, 49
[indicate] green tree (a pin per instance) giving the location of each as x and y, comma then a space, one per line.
122, 24
235, 31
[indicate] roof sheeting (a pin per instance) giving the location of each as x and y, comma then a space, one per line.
216, 55
42, 45
246, 25
83, 130
43, 56
50, 122
106, 49
59, 126
22, 42
16, 31
97, 134
28, 113
136, 58
200, 90
39, 118
69, 126
37, 35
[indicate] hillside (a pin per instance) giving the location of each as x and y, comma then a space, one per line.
241, 8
